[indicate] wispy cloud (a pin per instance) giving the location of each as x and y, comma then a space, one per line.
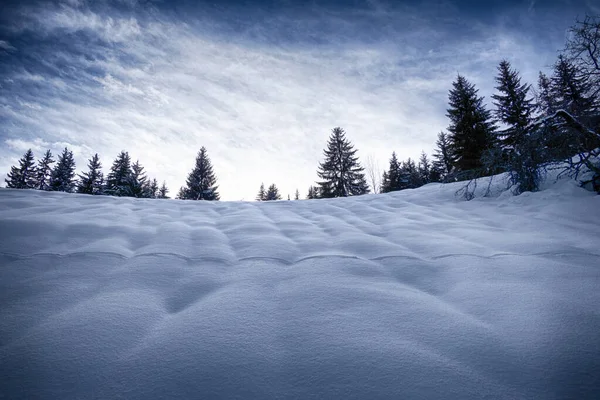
260, 93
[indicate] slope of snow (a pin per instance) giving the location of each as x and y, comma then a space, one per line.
409, 295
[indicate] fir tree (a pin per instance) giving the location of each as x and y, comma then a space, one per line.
23, 176
201, 182
390, 181
44, 171
297, 195
91, 182
162, 192
424, 168
470, 127
513, 106
262, 194
137, 181
272, 193
341, 172
63, 174
442, 155
117, 182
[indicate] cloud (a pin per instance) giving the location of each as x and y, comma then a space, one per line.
261, 92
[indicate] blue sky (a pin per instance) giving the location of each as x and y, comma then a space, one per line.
259, 84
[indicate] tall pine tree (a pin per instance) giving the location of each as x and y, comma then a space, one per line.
390, 181
341, 172
117, 181
201, 182
443, 159
92, 181
424, 168
63, 174
44, 171
471, 129
137, 181
23, 176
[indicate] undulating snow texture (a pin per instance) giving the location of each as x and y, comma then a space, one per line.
409, 295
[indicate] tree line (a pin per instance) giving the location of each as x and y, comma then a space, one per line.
527, 129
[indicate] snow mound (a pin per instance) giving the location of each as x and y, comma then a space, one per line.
409, 295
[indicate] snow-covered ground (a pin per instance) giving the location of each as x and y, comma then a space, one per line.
410, 295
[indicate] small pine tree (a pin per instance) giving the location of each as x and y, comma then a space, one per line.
162, 192
23, 176
341, 172
297, 195
201, 182
424, 169
471, 129
44, 171
272, 193
63, 174
117, 182
91, 182
262, 194
409, 175
137, 181
390, 181
313, 193
443, 158
153, 189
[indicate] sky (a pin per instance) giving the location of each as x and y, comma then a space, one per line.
259, 84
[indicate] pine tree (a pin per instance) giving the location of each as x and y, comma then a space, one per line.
272, 193
63, 174
390, 181
471, 129
262, 194
424, 168
117, 182
91, 182
297, 195
162, 192
544, 101
341, 172
153, 189
44, 171
313, 193
570, 89
23, 176
201, 182
513, 106
137, 181
409, 175
443, 156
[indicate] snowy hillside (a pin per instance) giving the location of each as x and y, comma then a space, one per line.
410, 295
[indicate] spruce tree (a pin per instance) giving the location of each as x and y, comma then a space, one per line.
92, 182
262, 194
201, 182
63, 174
341, 172
443, 159
44, 171
137, 181
424, 168
471, 130
390, 181
23, 176
117, 182
272, 193
514, 108
162, 192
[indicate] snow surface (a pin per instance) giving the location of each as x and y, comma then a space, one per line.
409, 295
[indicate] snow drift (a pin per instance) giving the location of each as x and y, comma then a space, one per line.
410, 295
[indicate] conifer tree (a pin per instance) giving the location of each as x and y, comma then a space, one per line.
514, 108
262, 194
409, 175
44, 171
471, 129
272, 193
153, 189
23, 176
424, 169
341, 172
137, 181
297, 195
63, 174
313, 193
162, 192
390, 181
117, 182
91, 182
443, 159
201, 182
